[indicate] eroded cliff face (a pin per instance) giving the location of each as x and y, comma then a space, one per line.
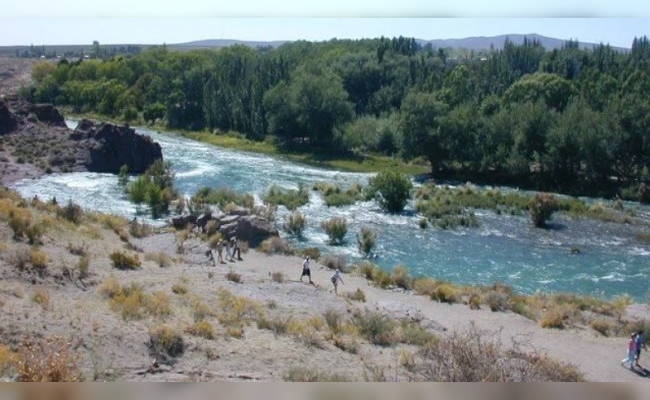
35, 140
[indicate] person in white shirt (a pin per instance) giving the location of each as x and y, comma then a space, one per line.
336, 278
305, 270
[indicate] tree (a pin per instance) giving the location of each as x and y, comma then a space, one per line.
310, 106
541, 207
421, 117
391, 189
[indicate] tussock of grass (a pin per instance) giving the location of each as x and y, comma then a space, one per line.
233, 276
275, 245
377, 328
123, 261
165, 343
357, 295
202, 329
161, 259
290, 198
41, 297
302, 374
278, 277
235, 312
50, 359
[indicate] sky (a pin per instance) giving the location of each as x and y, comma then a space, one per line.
49, 22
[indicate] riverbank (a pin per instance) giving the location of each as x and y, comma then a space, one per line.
244, 320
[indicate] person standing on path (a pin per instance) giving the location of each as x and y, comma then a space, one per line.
631, 352
335, 280
639, 342
306, 270
235, 248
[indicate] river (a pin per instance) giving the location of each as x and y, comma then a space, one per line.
504, 248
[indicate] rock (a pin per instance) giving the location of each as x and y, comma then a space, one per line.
182, 221
48, 114
238, 210
228, 230
115, 146
229, 219
8, 121
255, 230
203, 219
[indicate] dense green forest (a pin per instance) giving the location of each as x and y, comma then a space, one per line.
569, 120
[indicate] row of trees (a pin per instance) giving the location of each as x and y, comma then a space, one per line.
570, 119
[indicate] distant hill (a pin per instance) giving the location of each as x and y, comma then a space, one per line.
497, 42
470, 43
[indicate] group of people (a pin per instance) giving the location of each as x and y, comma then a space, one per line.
335, 278
233, 250
637, 341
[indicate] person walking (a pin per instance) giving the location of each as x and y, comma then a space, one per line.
228, 251
639, 341
235, 248
220, 251
336, 278
631, 352
306, 270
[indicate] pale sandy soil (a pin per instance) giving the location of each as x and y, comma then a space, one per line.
111, 348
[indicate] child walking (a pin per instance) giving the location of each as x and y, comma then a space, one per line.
336, 278
631, 352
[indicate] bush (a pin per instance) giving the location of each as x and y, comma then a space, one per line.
367, 242
202, 329
123, 261
378, 328
232, 276
312, 252
160, 258
301, 374
336, 228
19, 222
553, 318
222, 197
278, 277
41, 297
47, 360
357, 295
401, 277
445, 293
295, 223
496, 300
291, 199
335, 262
72, 212
179, 289
275, 245
391, 189
541, 208
165, 343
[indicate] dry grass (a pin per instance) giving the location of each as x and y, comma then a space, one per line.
202, 329
376, 327
132, 303
165, 343
275, 245
41, 297
49, 359
235, 312
302, 374
179, 289
233, 276
161, 259
124, 261
357, 295
278, 277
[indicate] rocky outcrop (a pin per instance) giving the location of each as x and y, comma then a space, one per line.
113, 146
48, 114
8, 121
254, 229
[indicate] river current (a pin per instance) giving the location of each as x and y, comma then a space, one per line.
612, 261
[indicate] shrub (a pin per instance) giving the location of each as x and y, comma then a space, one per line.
83, 267
38, 259
401, 277
391, 189
291, 199
158, 304
139, 230
237, 311
336, 228
123, 261
165, 343
378, 328
41, 297
71, 212
367, 242
334, 320
446, 293
202, 329
19, 222
497, 301
232, 276
179, 288
312, 252
275, 245
160, 258
301, 374
200, 310
474, 301
335, 262
222, 197
278, 277
541, 207
79, 250
278, 326
295, 223
357, 295
49, 359
553, 318
414, 333
601, 326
